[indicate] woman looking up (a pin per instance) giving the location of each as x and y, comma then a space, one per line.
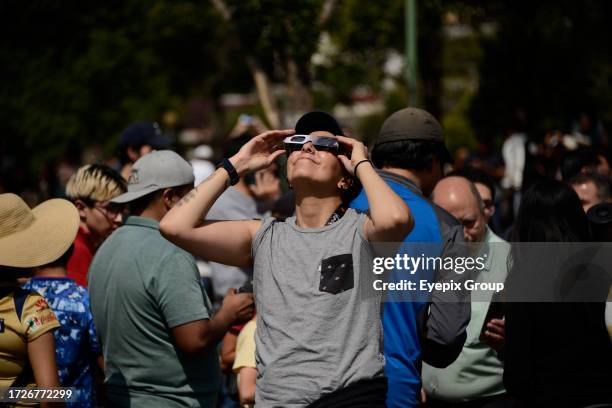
318, 336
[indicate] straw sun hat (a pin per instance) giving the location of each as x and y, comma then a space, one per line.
38, 236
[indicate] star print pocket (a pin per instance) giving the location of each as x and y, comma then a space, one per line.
337, 274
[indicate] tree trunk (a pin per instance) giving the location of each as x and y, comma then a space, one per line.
264, 92
299, 96
431, 46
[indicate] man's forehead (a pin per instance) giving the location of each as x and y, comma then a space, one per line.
456, 201
449, 202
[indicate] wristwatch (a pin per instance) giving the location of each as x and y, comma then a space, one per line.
231, 170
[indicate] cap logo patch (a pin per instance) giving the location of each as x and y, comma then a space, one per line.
134, 178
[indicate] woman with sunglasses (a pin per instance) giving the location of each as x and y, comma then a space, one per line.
318, 336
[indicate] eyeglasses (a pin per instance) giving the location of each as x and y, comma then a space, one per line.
109, 210
321, 143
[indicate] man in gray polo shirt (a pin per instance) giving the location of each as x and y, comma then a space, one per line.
153, 317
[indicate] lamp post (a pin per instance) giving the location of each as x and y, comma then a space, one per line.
410, 25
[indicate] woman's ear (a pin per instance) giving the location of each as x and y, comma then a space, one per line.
81, 206
345, 183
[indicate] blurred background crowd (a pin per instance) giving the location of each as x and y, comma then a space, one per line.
521, 88
515, 85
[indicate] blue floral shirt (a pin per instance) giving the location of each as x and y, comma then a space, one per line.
76, 342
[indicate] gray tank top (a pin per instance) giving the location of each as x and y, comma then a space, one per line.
318, 319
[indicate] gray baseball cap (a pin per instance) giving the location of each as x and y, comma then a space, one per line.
155, 171
412, 124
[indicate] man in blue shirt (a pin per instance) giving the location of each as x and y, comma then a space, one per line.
410, 152
76, 343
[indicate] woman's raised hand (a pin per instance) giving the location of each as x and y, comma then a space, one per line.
356, 152
260, 151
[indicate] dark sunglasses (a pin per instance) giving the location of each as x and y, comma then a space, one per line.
322, 143
111, 209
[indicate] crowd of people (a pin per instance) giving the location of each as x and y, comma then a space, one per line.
174, 284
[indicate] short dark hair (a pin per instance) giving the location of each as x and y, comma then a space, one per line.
407, 154
62, 261
137, 206
602, 184
575, 161
140, 204
10, 274
476, 176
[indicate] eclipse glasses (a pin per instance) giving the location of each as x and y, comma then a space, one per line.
323, 143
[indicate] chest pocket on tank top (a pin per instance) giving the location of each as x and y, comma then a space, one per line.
337, 274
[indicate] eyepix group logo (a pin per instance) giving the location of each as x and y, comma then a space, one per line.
134, 178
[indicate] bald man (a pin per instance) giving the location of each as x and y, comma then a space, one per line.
476, 377
459, 196
485, 184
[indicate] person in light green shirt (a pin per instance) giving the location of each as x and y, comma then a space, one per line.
477, 374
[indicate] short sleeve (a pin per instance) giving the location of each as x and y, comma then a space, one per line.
178, 290
245, 347
37, 318
266, 225
362, 217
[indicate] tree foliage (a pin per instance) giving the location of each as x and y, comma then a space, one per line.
78, 72
550, 58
